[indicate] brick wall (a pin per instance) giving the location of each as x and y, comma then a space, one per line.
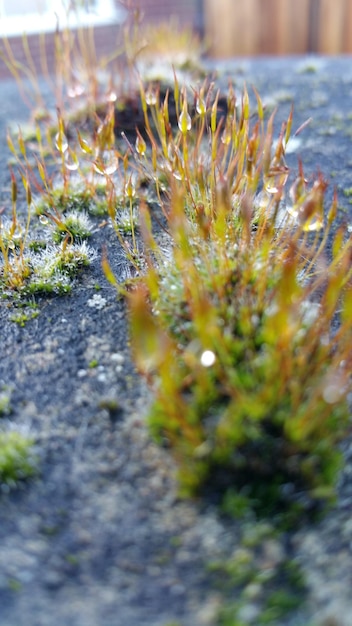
187, 11
105, 39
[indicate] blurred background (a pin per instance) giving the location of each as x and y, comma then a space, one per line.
260, 27
228, 27
280, 27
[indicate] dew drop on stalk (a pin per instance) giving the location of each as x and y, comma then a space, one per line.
130, 190
201, 106
76, 90
61, 142
293, 211
71, 162
313, 225
111, 96
111, 166
99, 167
207, 358
43, 220
106, 165
177, 175
270, 186
17, 235
150, 97
184, 122
226, 137
276, 178
141, 146
275, 181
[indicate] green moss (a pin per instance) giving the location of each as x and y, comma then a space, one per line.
234, 336
72, 559
14, 585
37, 245
108, 404
5, 402
277, 594
17, 459
308, 68
21, 318
74, 223
46, 287
65, 200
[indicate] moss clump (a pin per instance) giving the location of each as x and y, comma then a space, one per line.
243, 325
240, 337
17, 459
5, 402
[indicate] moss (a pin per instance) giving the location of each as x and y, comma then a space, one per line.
108, 404
64, 200
250, 400
231, 345
14, 585
74, 224
21, 318
37, 245
17, 459
5, 402
275, 595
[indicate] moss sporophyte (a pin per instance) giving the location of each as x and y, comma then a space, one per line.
240, 302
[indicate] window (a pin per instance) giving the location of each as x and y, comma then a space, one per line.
34, 16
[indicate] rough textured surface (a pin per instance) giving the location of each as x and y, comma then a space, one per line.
100, 537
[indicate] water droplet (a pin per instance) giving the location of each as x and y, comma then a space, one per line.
112, 166
226, 137
314, 225
201, 106
43, 219
71, 162
107, 164
141, 146
76, 90
130, 190
207, 358
61, 142
99, 167
184, 122
275, 180
292, 210
17, 235
151, 97
111, 96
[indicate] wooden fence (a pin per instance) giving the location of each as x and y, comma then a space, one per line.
252, 27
